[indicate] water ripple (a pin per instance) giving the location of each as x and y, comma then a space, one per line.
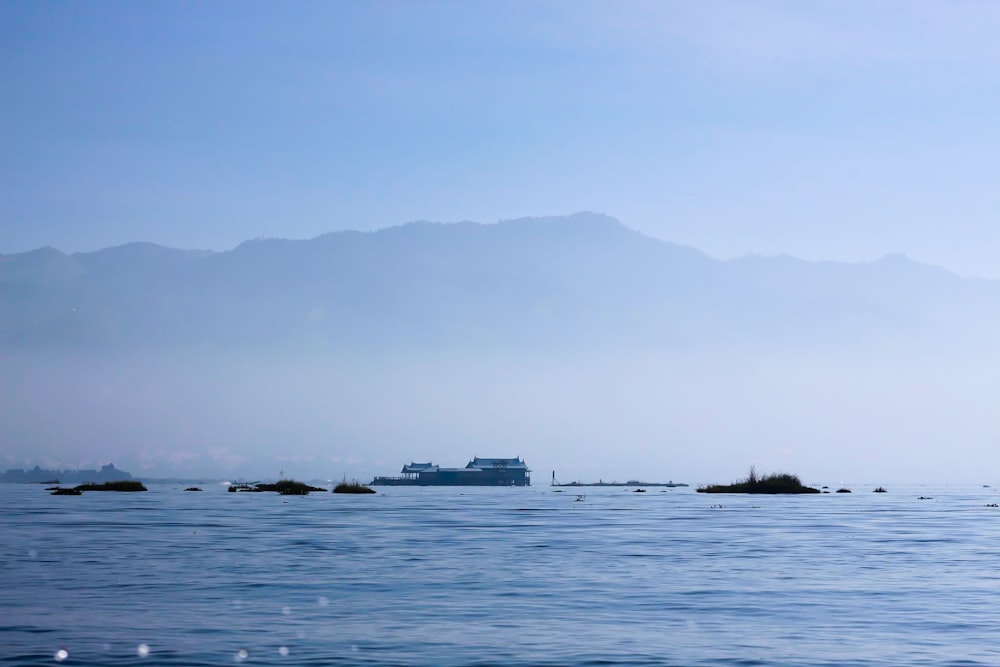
498, 576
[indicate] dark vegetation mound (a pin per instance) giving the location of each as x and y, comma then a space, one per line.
289, 487
286, 487
352, 487
122, 485
192, 488
880, 489
845, 490
770, 484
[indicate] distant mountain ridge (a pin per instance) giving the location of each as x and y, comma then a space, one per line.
583, 279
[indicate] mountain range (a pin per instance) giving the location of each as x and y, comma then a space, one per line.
578, 280
575, 342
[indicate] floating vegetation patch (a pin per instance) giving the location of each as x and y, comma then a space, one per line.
769, 484
122, 485
843, 490
192, 488
289, 487
352, 487
879, 489
241, 486
286, 487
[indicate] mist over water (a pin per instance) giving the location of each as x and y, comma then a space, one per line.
696, 415
573, 342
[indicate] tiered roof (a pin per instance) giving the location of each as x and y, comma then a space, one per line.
420, 467
489, 463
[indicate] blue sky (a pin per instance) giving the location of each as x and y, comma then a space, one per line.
840, 130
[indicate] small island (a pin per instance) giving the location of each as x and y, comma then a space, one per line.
129, 485
285, 487
776, 483
123, 485
352, 487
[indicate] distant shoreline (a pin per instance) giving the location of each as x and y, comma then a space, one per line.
629, 483
39, 475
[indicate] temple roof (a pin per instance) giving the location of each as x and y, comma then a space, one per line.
487, 463
419, 467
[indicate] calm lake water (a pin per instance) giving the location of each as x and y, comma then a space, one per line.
526, 576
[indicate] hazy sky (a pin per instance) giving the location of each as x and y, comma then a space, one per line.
839, 130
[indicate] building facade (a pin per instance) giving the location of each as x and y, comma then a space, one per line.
478, 472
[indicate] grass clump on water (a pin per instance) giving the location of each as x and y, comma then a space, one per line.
123, 485
286, 487
770, 484
289, 487
353, 486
